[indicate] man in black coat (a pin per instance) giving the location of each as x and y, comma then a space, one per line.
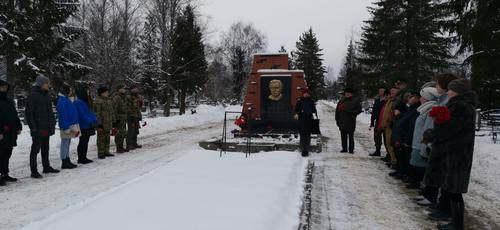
377, 107
41, 120
403, 136
304, 111
10, 127
455, 134
347, 110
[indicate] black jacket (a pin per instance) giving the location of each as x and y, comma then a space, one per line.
346, 112
403, 132
39, 112
305, 108
453, 141
9, 120
377, 106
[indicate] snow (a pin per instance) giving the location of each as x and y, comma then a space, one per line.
198, 191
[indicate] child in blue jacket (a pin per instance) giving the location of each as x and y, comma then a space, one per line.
68, 123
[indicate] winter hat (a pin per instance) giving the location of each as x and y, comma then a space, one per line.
429, 84
429, 93
102, 90
41, 80
459, 86
65, 89
348, 90
444, 80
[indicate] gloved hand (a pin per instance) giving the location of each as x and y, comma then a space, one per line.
429, 136
144, 124
43, 133
296, 117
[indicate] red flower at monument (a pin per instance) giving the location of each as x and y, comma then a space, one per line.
441, 114
240, 121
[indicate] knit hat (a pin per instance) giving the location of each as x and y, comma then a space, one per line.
41, 80
65, 89
429, 84
444, 80
429, 93
102, 90
348, 90
459, 86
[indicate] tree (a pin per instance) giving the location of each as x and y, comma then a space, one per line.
148, 58
33, 38
308, 59
240, 43
188, 64
403, 41
477, 24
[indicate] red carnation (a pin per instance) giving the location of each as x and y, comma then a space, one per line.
441, 114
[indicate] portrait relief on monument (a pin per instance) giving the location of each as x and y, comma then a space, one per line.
276, 98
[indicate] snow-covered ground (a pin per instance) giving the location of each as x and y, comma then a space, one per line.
197, 191
173, 184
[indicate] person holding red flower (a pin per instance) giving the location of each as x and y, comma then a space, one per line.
453, 138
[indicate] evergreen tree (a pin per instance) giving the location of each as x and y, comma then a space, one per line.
308, 59
404, 40
477, 24
34, 37
238, 62
188, 63
148, 58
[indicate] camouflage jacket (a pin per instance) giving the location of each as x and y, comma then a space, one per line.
134, 106
105, 113
120, 107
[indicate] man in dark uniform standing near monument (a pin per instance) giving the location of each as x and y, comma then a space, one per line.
304, 111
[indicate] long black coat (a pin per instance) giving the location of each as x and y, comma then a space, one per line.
377, 106
39, 113
453, 141
305, 108
9, 121
347, 111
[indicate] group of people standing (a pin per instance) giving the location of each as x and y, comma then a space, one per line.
429, 136
78, 116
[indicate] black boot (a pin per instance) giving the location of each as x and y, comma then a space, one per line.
8, 178
50, 170
375, 154
2, 182
85, 161
66, 164
71, 163
138, 146
305, 154
36, 175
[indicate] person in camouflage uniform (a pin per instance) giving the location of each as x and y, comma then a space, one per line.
105, 116
134, 117
121, 110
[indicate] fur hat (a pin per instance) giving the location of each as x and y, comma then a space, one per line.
41, 80
444, 80
102, 90
460, 86
429, 93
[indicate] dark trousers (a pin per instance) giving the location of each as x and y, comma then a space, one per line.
305, 142
347, 138
83, 146
378, 137
37, 145
132, 133
403, 159
431, 193
457, 210
5, 154
444, 201
416, 174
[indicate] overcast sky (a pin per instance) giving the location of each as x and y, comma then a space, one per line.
284, 20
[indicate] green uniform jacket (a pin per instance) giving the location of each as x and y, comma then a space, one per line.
105, 112
120, 107
134, 107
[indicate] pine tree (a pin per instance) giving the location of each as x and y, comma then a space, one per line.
404, 40
148, 58
188, 63
477, 24
308, 59
34, 38
238, 62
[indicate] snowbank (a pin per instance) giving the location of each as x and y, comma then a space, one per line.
198, 191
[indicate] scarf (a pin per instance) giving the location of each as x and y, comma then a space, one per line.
426, 107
